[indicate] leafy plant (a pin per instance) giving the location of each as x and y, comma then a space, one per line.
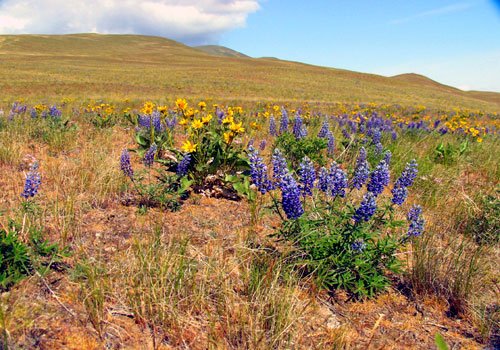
295, 149
484, 223
448, 154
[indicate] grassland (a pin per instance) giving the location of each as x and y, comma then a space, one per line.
213, 275
125, 66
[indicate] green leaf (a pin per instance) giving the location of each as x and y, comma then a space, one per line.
440, 342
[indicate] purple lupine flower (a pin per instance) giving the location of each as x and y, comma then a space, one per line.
323, 179
250, 143
379, 148
416, 221
436, 123
409, 174
156, 116
125, 165
32, 183
394, 135
400, 191
171, 122
258, 172
379, 178
272, 126
388, 157
149, 156
358, 245
307, 176
183, 166
346, 134
337, 181
54, 112
220, 115
361, 171
331, 144
283, 121
290, 197
366, 209
376, 136
280, 167
33, 113
325, 129
144, 121
262, 145
298, 127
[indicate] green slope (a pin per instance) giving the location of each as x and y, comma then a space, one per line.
130, 66
222, 51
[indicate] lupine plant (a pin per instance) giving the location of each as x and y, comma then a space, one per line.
344, 229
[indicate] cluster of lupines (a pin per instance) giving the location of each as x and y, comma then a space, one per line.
32, 183
400, 191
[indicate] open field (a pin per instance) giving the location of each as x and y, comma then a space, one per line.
124, 66
131, 218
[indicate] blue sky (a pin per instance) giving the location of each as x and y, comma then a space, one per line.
456, 43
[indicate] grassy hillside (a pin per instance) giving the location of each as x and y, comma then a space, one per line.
222, 51
128, 66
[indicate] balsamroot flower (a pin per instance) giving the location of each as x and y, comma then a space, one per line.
32, 183
307, 176
366, 209
416, 221
125, 166
258, 172
183, 165
362, 170
379, 178
290, 197
149, 156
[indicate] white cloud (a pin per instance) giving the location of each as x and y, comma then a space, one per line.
190, 21
457, 7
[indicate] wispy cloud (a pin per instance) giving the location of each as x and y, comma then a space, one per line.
189, 21
452, 8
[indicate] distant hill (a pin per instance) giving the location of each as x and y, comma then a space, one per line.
221, 51
45, 67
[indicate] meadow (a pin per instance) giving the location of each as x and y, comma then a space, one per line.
281, 213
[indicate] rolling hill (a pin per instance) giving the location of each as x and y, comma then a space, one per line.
44, 67
222, 51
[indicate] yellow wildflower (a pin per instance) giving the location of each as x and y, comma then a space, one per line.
202, 105
181, 104
228, 137
183, 121
237, 128
207, 119
189, 147
479, 139
228, 120
197, 124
